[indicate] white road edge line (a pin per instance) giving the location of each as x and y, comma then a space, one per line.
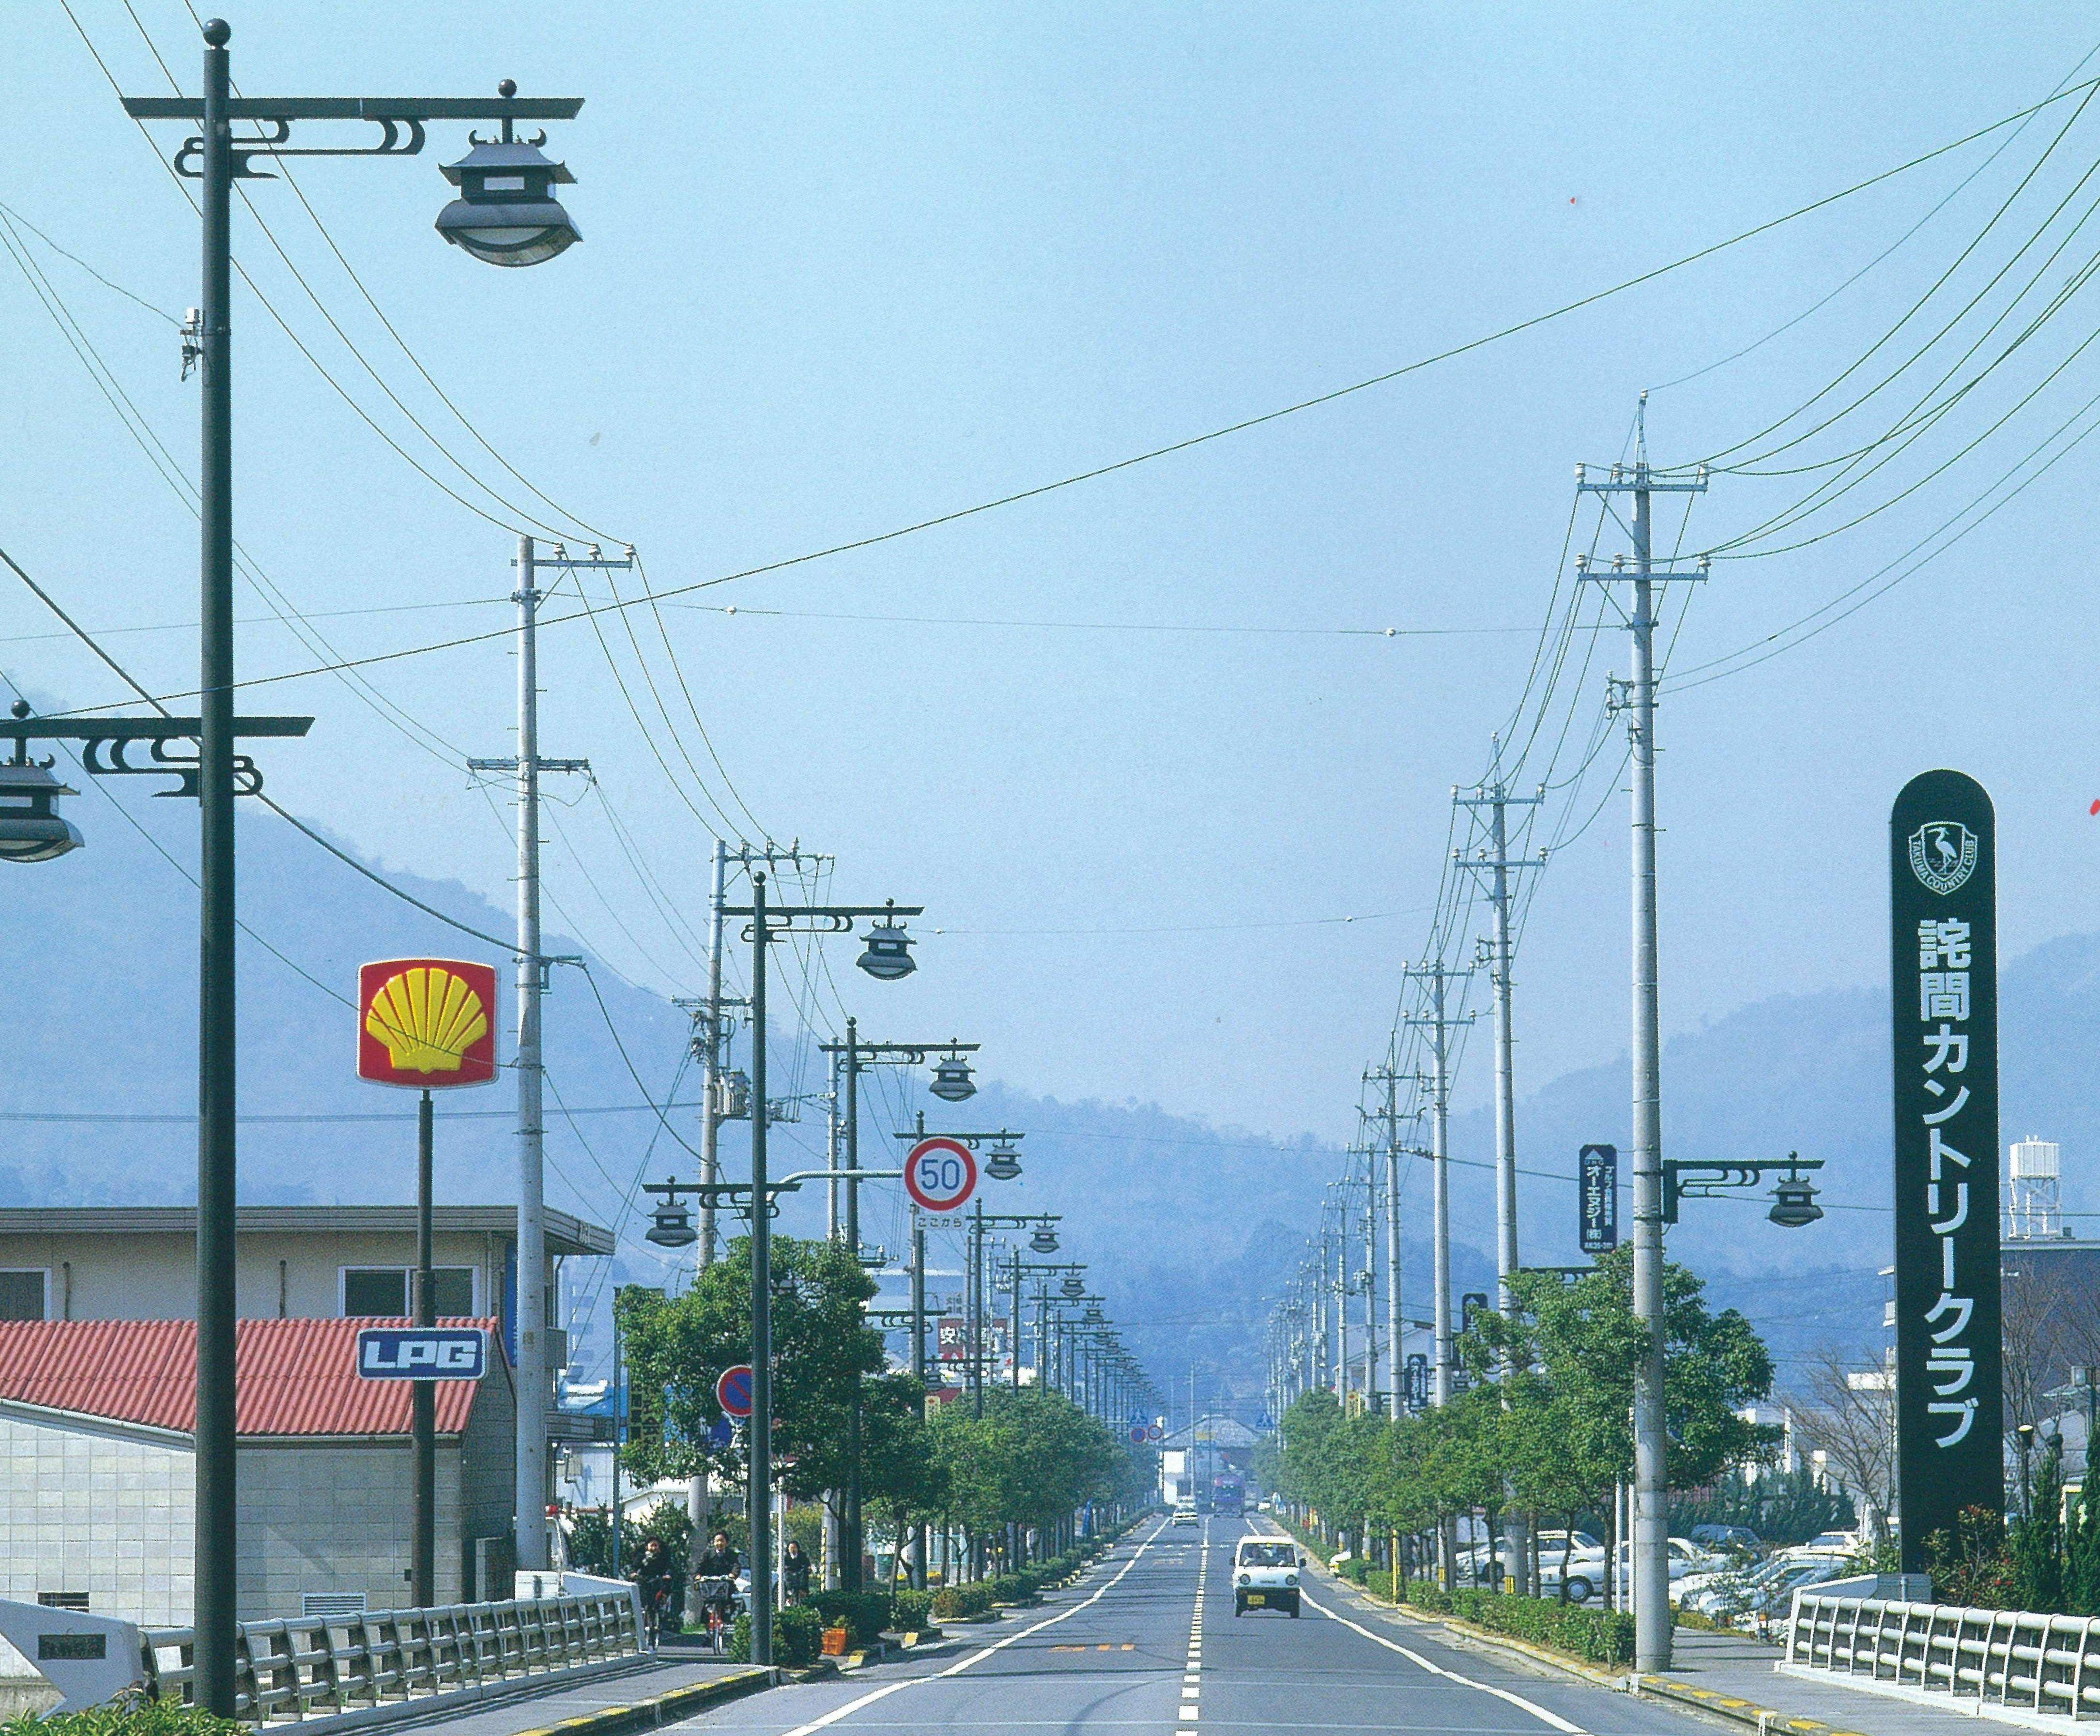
1518, 1700
884, 1692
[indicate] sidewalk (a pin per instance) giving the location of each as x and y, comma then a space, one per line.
676, 1679
1731, 1667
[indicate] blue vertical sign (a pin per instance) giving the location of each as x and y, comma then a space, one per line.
1950, 1388
1598, 1201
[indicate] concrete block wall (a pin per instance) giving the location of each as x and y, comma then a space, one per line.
100, 1512
108, 1510
339, 1518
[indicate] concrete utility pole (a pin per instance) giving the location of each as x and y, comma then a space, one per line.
1439, 1025
711, 1059
1495, 865
534, 1368
1370, 1280
1395, 1361
1651, 1527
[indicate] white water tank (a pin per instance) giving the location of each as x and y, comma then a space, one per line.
2036, 1159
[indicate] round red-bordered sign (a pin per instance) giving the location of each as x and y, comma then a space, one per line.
940, 1173
732, 1390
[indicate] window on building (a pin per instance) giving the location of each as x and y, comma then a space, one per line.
22, 1296
63, 1600
383, 1293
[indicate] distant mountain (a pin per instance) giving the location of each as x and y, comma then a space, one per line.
1190, 1229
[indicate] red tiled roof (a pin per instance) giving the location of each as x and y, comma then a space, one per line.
296, 1377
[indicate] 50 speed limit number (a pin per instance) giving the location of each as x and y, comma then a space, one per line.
940, 1174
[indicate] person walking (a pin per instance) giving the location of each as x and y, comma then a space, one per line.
795, 1575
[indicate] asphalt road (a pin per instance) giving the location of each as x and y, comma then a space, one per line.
1148, 1642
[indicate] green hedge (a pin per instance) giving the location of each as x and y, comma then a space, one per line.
910, 1610
1357, 1568
864, 1614
134, 1715
798, 1638
1600, 1636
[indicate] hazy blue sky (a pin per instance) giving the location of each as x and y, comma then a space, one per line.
847, 268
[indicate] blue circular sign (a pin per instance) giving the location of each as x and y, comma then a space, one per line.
732, 1390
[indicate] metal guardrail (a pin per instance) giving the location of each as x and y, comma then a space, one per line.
318, 1666
2043, 1663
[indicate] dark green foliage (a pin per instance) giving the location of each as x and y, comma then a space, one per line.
131, 1715
910, 1611
590, 1539
1598, 1635
864, 1614
2037, 1540
1973, 1567
798, 1636
822, 1348
1783, 1509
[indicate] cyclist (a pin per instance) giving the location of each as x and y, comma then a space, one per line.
656, 1576
714, 1585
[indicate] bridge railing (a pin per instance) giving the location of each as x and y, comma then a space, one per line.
2034, 1663
317, 1666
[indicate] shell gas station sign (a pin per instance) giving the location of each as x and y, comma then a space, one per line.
426, 1022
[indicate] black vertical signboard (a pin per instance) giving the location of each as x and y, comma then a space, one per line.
1598, 1206
1944, 948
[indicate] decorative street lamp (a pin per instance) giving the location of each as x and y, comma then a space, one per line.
506, 213
30, 830
1044, 1241
672, 1226
888, 954
1003, 1164
952, 1080
215, 155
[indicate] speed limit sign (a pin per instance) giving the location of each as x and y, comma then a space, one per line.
940, 1174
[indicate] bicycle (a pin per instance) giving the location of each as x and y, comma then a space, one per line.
717, 1598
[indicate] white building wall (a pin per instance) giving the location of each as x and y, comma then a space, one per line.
104, 1513
109, 1510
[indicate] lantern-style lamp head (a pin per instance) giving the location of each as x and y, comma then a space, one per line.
888, 954
1794, 1205
30, 829
952, 1082
1003, 1164
506, 213
673, 1225
1074, 1285
1044, 1241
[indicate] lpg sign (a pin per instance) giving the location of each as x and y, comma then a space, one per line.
408, 1352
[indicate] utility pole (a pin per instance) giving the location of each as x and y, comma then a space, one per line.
1636, 697
1370, 1280
1388, 1076
1495, 864
711, 1058
535, 1374
1439, 1025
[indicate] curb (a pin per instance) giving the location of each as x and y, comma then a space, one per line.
1734, 1706
662, 1708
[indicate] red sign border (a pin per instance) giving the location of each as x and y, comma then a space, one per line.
940, 1141
721, 1398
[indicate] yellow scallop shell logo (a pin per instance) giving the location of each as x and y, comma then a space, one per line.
428, 1018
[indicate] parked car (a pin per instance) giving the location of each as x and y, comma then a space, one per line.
1767, 1589
1727, 1537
